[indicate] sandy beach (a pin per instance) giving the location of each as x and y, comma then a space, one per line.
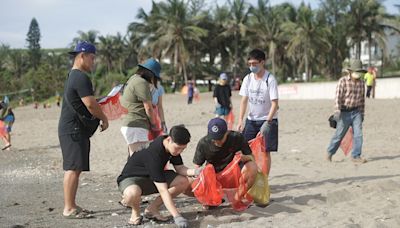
306, 190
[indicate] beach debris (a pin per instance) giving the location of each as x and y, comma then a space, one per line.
114, 214
84, 184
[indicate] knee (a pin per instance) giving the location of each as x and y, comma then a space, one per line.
132, 193
181, 182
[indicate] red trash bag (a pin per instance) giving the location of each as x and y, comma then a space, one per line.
206, 188
234, 185
111, 105
238, 197
230, 119
155, 133
230, 175
3, 129
347, 142
257, 146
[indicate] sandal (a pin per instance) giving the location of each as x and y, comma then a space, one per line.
135, 222
155, 217
79, 213
6, 147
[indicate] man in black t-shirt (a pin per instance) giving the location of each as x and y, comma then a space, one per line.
74, 139
144, 174
220, 146
222, 96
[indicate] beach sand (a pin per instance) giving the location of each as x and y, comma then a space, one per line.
306, 190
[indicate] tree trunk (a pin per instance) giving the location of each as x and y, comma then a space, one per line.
358, 50
272, 56
369, 49
306, 68
236, 54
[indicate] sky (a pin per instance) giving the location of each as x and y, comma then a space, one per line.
60, 20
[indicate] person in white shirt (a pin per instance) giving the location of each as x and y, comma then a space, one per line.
259, 91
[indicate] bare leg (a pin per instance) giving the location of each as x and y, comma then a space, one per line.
179, 185
136, 147
268, 162
249, 173
71, 181
132, 198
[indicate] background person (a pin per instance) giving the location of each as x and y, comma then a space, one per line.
259, 90
349, 110
222, 96
157, 101
370, 78
74, 139
136, 97
7, 116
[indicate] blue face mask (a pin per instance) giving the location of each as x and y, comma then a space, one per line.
254, 69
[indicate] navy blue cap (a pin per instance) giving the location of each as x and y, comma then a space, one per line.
83, 46
217, 128
153, 66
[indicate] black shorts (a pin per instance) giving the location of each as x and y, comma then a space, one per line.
145, 183
75, 150
252, 128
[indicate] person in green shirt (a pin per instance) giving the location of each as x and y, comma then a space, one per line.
369, 78
136, 97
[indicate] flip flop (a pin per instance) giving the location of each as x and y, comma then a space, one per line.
135, 222
79, 213
155, 217
6, 147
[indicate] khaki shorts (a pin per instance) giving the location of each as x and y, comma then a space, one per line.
145, 183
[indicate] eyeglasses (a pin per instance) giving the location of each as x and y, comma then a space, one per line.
253, 63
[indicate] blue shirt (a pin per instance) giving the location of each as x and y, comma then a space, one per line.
156, 93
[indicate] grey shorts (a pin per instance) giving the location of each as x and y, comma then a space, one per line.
145, 183
75, 150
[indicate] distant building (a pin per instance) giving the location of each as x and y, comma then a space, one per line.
392, 44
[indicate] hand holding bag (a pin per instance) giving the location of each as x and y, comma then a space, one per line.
90, 124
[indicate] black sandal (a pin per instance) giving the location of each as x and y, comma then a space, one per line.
136, 222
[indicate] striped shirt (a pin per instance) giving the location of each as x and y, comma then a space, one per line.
350, 94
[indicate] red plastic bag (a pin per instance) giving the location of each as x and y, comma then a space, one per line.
206, 188
238, 197
230, 175
257, 146
3, 129
155, 133
347, 142
234, 185
111, 106
230, 119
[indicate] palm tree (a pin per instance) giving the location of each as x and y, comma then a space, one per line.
333, 14
308, 38
106, 51
176, 30
266, 24
237, 26
90, 36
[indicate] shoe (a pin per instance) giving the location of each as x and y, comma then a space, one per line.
359, 160
329, 157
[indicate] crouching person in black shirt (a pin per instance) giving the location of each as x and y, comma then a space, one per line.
144, 174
